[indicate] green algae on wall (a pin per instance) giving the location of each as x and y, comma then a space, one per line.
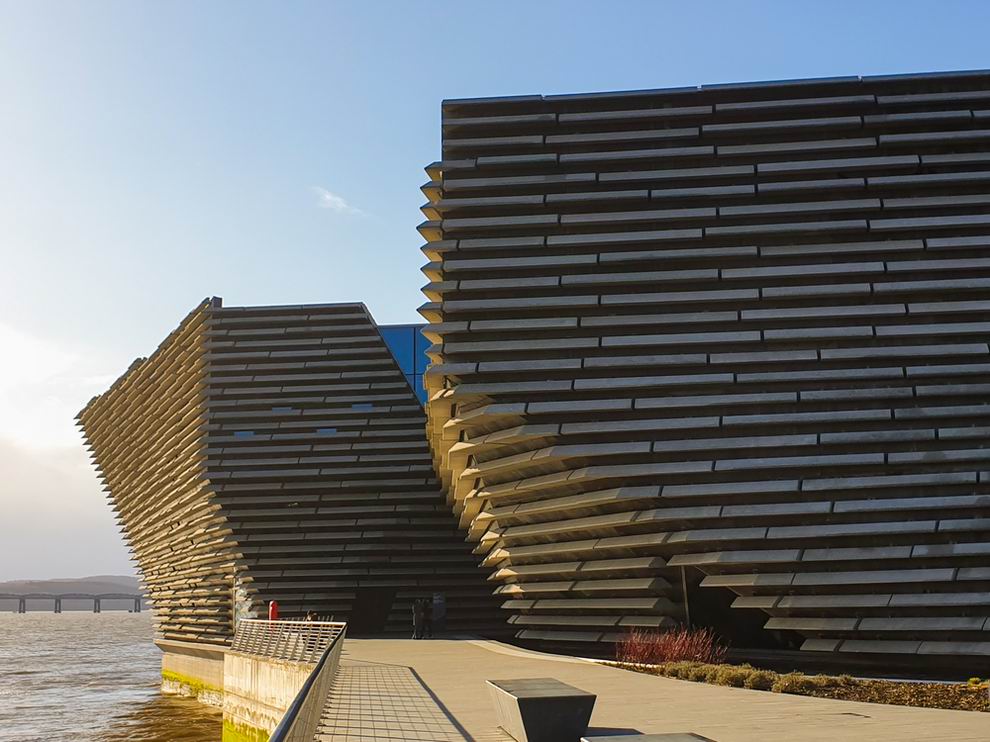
234, 731
174, 683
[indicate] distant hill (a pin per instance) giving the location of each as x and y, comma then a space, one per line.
60, 586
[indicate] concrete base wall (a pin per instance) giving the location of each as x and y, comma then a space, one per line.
257, 691
194, 670
254, 692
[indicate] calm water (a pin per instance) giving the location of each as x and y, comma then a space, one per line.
86, 676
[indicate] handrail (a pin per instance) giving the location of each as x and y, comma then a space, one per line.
293, 641
301, 719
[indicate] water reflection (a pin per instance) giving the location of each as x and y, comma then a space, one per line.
166, 719
90, 676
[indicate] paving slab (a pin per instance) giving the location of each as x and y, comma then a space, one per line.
442, 687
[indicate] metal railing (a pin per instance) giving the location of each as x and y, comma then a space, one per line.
293, 641
302, 718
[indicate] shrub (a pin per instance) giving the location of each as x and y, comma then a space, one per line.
819, 682
701, 672
653, 647
760, 680
680, 670
736, 676
792, 682
732, 675
801, 684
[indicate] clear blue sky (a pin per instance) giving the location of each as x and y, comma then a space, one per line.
152, 154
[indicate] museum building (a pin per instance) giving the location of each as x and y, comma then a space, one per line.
714, 356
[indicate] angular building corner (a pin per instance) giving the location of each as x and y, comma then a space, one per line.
277, 453
719, 355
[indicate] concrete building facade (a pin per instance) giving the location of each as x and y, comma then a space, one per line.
710, 354
277, 453
714, 356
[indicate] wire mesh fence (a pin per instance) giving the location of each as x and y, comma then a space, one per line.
293, 641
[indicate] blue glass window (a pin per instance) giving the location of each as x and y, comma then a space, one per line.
408, 346
244, 434
326, 431
401, 340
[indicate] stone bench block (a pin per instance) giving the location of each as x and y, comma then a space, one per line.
541, 709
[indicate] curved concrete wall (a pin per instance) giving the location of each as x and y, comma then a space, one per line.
145, 438
736, 329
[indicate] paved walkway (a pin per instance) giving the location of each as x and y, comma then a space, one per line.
399, 689
374, 701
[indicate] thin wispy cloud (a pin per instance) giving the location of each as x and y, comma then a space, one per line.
327, 200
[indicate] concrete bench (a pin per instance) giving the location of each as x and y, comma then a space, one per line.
675, 737
541, 709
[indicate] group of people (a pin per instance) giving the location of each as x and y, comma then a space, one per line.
422, 610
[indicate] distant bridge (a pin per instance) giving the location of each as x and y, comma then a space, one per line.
23, 598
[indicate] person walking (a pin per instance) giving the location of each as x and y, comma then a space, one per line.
418, 615
428, 618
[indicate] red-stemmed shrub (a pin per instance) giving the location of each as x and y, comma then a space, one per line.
653, 646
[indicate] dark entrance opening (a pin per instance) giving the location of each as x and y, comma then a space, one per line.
742, 628
371, 608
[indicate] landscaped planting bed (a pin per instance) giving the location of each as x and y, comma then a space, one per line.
972, 696
697, 655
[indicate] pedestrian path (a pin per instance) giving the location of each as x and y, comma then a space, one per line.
399, 689
375, 701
